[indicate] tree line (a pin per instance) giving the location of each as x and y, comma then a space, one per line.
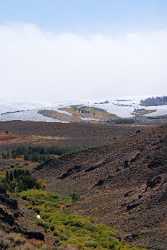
154, 101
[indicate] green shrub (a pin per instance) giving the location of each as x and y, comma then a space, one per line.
39, 153
91, 244
70, 229
75, 197
17, 180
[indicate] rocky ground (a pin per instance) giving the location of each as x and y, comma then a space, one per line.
119, 172
123, 184
17, 230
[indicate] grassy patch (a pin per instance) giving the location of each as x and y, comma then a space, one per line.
69, 229
2, 175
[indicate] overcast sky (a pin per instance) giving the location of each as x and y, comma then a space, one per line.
53, 52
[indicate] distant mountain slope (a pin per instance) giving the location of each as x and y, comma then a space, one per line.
80, 113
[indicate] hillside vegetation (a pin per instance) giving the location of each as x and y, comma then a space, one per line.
67, 230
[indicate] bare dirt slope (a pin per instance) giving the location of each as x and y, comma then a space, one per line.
122, 183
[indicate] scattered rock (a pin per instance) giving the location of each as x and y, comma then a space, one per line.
71, 171
156, 163
133, 205
126, 164
128, 193
154, 182
134, 156
131, 237
8, 201
96, 165
100, 183
35, 235
6, 218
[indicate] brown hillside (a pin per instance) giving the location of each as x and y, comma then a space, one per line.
123, 183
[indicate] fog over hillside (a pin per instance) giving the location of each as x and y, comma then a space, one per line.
42, 66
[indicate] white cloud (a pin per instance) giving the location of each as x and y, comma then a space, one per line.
36, 65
